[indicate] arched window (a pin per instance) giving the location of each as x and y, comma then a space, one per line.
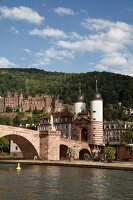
84, 135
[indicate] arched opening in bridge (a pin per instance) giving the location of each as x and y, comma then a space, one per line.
27, 149
84, 135
84, 154
63, 151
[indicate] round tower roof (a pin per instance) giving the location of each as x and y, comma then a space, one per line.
80, 99
97, 96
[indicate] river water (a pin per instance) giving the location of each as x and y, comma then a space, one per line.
37, 182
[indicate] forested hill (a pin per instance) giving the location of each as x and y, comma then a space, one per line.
113, 87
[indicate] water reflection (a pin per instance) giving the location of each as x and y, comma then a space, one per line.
64, 183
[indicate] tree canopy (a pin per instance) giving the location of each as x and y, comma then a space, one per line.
114, 88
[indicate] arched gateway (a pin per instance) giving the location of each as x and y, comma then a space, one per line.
27, 140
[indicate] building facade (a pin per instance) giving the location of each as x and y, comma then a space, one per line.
17, 101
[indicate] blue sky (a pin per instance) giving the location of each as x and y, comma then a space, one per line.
67, 35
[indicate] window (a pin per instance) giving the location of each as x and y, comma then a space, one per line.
16, 148
61, 126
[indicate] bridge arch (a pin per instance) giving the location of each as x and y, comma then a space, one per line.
27, 149
27, 140
79, 146
82, 152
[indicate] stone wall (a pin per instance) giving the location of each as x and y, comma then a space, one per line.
50, 145
123, 152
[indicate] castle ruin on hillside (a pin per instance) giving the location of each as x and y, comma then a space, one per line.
16, 101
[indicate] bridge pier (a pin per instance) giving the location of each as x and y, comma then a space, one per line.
50, 145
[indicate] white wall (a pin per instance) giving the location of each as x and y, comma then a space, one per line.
96, 108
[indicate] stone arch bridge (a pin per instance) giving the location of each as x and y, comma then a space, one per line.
47, 145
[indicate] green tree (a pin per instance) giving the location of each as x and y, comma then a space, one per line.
110, 153
70, 153
129, 136
9, 109
4, 144
17, 121
5, 121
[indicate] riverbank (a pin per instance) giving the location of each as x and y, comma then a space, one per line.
117, 165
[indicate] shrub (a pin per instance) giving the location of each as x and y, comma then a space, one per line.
110, 153
86, 156
70, 152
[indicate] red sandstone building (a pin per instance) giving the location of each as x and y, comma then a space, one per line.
17, 101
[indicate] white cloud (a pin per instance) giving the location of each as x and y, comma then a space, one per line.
58, 54
56, 33
114, 59
41, 62
48, 32
27, 50
113, 41
117, 62
5, 63
14, 30
46, 57
75, 36
110, 41
21, 13
101, 24
64, 11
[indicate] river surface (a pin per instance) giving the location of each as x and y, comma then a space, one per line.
37, 182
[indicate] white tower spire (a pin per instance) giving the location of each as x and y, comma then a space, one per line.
79, 89
96, 87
